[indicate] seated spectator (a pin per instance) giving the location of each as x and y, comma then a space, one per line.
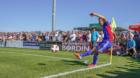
123, 42
117, 49
131, 45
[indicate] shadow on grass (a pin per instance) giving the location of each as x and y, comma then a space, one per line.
131, 73
41, 64
131, 70
74, 62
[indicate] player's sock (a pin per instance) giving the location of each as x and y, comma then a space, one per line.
95, 58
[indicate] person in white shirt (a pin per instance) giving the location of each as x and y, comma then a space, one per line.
56, 36
73, 37
89, 36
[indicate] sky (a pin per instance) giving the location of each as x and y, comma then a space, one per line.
35, 15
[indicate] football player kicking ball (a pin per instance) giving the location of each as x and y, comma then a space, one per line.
102, 46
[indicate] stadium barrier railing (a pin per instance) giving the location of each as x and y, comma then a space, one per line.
66, 46
17, 44
2, 43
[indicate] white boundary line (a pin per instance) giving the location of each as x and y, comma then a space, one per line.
78, 70
61, 58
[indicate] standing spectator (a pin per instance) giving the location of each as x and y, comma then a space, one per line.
56, 36
100, 36
68, 36
50, 36
33, 37
60, 36
94, 37
46, 36
77, 37
89, 36
64, 36
39, 37
73, 37
43, 37
24, 37
89, 39
84, 37
80, 36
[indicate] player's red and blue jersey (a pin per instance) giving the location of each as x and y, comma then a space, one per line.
108, 34
108, 38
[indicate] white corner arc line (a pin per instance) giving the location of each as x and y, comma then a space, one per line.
78, 70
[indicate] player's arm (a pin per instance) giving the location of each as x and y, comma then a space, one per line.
98, 15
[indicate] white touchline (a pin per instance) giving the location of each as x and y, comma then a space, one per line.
78, 70
42, 56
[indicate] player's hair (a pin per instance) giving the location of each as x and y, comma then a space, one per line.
101, 18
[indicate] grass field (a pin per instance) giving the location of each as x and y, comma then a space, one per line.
29, 63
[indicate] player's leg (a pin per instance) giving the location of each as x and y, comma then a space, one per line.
95, 56
100, 48
87, 53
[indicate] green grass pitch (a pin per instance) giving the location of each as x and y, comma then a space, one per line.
29, 63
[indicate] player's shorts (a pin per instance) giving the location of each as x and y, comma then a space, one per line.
103, 46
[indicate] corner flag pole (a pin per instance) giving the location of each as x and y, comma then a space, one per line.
53, 14
111, 55
113, 26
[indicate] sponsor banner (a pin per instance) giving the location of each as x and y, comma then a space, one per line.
74, 46
47, 44
31, 44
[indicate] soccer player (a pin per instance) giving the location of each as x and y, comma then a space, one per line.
102, 46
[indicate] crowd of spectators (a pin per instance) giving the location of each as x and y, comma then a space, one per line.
128, 43
73, 36
125, 42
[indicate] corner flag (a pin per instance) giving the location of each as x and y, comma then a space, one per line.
113, 24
